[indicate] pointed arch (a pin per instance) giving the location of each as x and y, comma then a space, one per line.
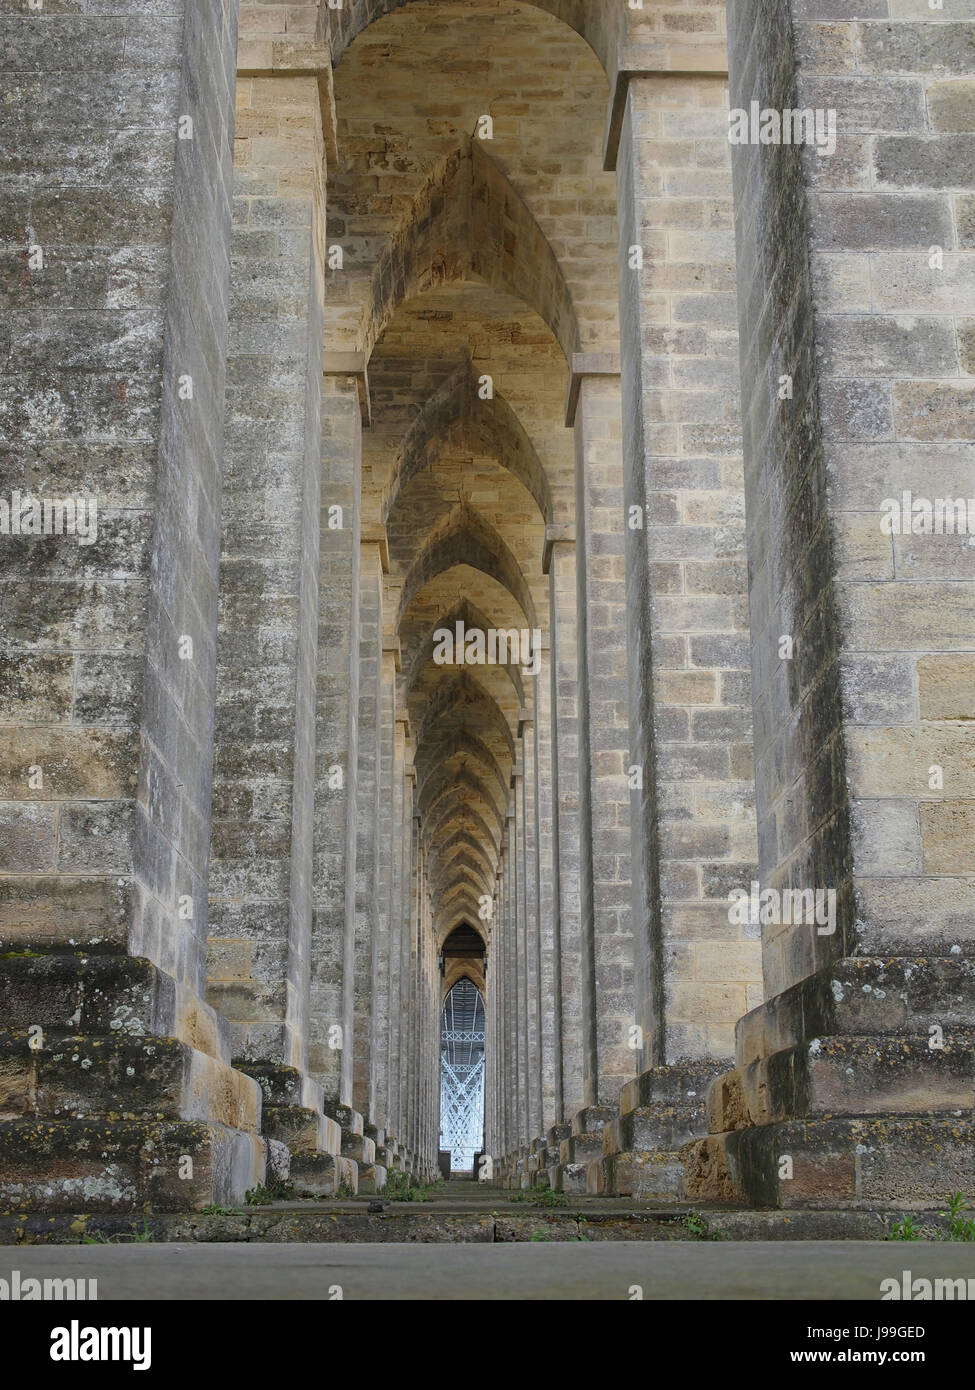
598, 22
418, 655
463, 690
467, 222
465, 538
455, 414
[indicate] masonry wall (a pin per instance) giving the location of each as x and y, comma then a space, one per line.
133, 224
117, 242
337, 743
837, 293
261, 872
693, 812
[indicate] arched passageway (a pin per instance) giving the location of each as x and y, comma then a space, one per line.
488, 473
462, 1076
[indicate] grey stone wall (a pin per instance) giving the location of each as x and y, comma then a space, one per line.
261, 869
337, 743
368, 794
693, 814
838, 293
607, 955
134, 225
803, 812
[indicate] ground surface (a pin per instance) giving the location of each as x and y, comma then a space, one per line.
462, 1213
782, 1270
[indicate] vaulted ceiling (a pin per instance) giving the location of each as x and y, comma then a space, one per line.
473, 268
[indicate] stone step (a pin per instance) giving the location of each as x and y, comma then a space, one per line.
652, 1176
652, 1127
122, 1077
836, 1162
323, 1174
372, 1177
281, 1085
326, 1222
555, 1136
303, 1130
87, 995
359, 1148
673, 1085
853, 1075
49, 1165
593, 1118
580, 1148
569, 1177
863, 995
344, 1116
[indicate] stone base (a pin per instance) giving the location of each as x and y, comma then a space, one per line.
902, 1161
102, 1113
570, 1178
637, 1173
125, 1165
293, 1117
354, 1143
660, 1111
372, 1178
839, 1097
323, 1174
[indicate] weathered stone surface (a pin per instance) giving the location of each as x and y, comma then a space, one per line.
351, 354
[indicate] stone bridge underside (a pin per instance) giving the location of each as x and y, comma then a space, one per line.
376, 326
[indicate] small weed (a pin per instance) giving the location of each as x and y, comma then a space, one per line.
960, 1227
547, 1198
345, 1189
539, 1235
694, 1224
402, 1187
274, 1191
212, 1209
136, 1237
904, 1230
145, 1234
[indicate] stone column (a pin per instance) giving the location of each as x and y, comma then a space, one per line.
560, 564
509, 920
430, 1052
693, 828
368, 792
518, 784
383, 947
549, 1112
529, 796
337, 715
854, 265
412, 1129
400, 920
516, 845
107, 726
495, 1054
264, 778
607, 957
422, 1143
490, 1079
